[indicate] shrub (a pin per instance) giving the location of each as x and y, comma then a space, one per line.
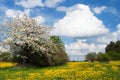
6, 56
102, 57
48, 59
113, 55
91, 56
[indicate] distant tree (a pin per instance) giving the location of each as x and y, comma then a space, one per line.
113, 50
113, 55
110, 47
31, 43
102, 57
91, 56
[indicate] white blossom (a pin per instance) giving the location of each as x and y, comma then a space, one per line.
25, 30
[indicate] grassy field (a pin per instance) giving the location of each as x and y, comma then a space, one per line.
69, 71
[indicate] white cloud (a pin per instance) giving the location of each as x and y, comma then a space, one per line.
35, 3
76, 50
98, 10
79, 22
30, 3
13, 13
81, 48
2, 12
114, 36
112, 10
105, 9
118, 26
39, 19
61, 8
52, 3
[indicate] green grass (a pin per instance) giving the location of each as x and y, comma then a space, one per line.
69, 71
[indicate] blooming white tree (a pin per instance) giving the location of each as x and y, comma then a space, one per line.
27, 30
32, 42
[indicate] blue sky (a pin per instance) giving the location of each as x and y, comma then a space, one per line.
84, 25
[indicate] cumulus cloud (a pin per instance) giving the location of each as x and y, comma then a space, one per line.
35, 3
13, 13
81, 48
113, 36
39, 19
79, 22
30, 3
98, 10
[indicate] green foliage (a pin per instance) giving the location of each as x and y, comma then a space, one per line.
102, 57
48, 59
113, 50
113, 55
110, 47
91, 56
57, 40
5, 56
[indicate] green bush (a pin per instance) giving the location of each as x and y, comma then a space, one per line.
28, 55
6, 56
114, 55
48, 59
91, 56
39, 58
103, 57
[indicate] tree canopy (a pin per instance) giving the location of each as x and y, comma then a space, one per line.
113, 50
91, 56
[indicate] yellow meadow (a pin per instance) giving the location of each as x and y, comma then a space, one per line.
69, 71
7, 64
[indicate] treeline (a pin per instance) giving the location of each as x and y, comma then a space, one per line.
112, 52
